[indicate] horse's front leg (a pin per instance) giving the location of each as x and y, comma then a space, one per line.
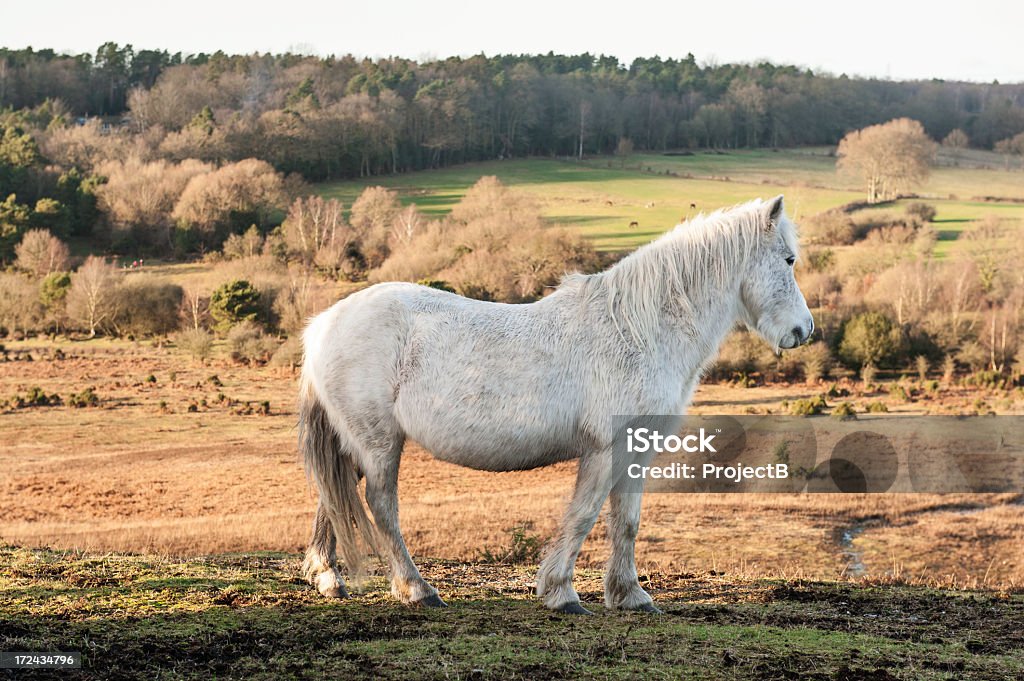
554, 580
622, 590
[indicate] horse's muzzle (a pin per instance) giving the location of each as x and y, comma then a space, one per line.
799, 335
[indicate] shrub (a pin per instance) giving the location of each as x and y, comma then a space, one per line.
869, 338
815, 360
523, 548
833, 227
301, 298
146, 307
867, 374
948, 369
196, 342
248, 343
844, 412
835, 391
234, 302
973, 355
809, 407
743, 353
819, 259
899, 392
921, 211
993, 380
289, 354
86, 398
922, 366
877, 408
35, 397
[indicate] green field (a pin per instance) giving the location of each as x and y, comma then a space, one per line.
602, 196
251, 617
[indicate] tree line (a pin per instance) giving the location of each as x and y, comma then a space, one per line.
339, 117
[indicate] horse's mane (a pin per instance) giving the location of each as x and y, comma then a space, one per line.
705, 252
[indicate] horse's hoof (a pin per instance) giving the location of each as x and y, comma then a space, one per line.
431, 601
573, 608
330, 586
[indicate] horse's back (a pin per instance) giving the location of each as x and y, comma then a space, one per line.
485, 385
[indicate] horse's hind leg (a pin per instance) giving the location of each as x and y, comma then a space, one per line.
321, 564
554, 580
407, 584
621, 587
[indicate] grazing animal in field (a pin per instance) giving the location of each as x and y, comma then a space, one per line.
634, 224
693, 206
501, 387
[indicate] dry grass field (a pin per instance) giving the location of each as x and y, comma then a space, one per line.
179, 459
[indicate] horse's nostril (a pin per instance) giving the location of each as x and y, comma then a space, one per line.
798, 334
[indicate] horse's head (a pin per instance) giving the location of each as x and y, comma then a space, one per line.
772, 303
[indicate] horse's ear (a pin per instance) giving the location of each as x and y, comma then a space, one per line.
773, 211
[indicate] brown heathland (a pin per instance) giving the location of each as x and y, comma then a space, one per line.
187, 464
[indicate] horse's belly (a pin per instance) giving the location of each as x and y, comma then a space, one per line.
493, 440
502, 459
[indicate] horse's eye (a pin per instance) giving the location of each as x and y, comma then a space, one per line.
790, 260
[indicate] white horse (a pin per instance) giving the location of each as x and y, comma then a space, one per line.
511, 387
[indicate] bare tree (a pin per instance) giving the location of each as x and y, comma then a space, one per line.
1002, 332
407, 224
373, 215
195, 307
890, 158
316, 227
250, 187
1011, 146
92, 301
40, 253
139, 197
956, 139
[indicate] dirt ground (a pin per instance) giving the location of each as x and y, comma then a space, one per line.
178, 458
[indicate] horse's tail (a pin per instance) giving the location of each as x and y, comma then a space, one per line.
336, 475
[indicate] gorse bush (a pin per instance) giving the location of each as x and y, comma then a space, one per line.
806, 407
85, 398
844, 411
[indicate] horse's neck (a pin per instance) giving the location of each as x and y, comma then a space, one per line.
698, 317
696, 325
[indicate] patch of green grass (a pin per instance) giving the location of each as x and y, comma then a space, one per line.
602, 196
598, 200
251, 617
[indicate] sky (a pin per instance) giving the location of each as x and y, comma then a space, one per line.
897, 39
